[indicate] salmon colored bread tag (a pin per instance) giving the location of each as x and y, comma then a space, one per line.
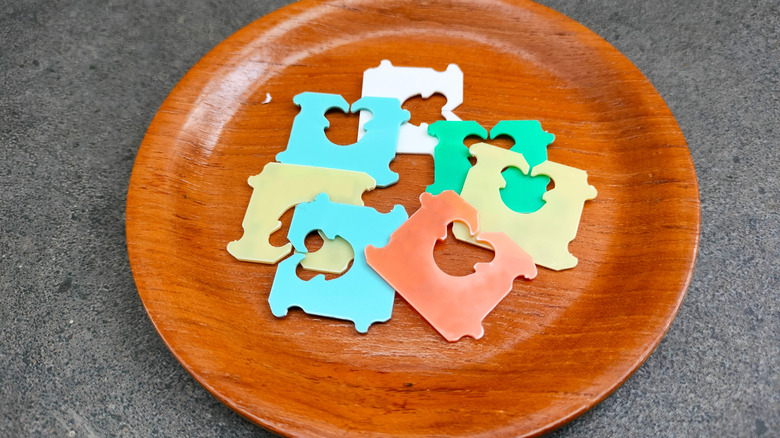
454, 306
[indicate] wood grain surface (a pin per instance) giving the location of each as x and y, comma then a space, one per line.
552, 349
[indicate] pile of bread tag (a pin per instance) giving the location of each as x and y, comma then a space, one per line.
501, 202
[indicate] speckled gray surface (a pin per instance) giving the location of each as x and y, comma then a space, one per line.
81, 80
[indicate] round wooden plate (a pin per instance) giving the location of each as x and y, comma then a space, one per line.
553, 348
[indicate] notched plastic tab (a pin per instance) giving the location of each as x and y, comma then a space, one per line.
359, 295
451, 156
544, 234
530, 139
403, 83
523, 193
280, 187
454, 306
372, 154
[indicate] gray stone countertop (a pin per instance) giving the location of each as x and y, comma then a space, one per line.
81, 80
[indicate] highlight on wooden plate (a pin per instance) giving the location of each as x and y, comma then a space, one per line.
553, 347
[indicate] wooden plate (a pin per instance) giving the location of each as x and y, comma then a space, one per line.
553, 348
